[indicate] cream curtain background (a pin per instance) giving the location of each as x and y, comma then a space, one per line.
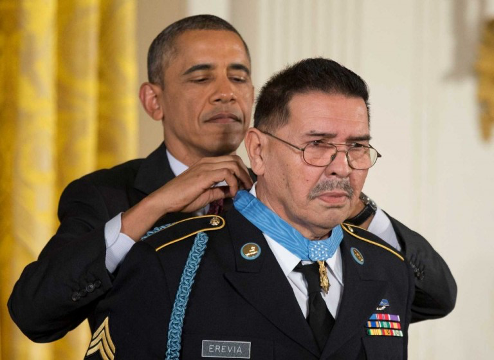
68, 105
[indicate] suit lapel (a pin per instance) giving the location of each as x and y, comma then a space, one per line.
154, 172
361, 295
262, 283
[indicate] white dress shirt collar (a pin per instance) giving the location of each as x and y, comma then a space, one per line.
176, 166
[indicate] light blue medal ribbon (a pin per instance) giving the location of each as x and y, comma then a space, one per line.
284, 234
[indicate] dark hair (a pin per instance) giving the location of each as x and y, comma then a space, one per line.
315, 74
163, 46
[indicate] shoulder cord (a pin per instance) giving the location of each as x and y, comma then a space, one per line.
181, 299
155, 230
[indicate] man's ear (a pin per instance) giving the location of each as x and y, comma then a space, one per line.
255, 144
148, 94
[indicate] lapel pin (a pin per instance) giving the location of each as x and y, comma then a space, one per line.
357, 256
250, 251
383, 305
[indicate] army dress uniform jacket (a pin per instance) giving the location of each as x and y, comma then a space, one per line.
242, 307
55, 293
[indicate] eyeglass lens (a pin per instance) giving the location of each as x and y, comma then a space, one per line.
322, 154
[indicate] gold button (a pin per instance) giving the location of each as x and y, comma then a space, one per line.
215, 221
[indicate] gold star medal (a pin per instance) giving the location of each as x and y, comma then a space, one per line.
323, 276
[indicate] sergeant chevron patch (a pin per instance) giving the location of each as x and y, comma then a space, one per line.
102, 342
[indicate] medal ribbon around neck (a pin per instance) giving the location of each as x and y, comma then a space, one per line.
283, 233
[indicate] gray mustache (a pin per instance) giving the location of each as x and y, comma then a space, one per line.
329, 185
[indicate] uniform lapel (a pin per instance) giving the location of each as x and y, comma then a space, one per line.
361, 295
263, 284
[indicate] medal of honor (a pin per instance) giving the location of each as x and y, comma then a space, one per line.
323, 276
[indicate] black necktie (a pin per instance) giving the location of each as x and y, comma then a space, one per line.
320, 319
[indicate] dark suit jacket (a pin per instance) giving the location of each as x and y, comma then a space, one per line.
435, 286
234, 299
58, 291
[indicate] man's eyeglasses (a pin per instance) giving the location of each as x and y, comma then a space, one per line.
320, 153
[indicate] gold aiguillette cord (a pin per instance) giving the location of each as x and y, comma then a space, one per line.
323, 276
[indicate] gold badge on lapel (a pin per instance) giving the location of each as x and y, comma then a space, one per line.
250, 251
357, 256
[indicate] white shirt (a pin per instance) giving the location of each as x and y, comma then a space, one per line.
382, 227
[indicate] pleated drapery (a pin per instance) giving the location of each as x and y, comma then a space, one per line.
68, 105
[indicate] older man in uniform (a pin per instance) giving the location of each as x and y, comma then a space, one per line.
279, 276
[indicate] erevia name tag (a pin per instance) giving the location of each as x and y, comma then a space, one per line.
226, 349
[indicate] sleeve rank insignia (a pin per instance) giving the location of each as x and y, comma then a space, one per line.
102, 342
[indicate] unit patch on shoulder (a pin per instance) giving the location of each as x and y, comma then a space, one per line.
102, 342
184, 229
360, 233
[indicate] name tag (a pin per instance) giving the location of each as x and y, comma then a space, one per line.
226, 349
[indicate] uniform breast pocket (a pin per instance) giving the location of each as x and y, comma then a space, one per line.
384, 347
225, 347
